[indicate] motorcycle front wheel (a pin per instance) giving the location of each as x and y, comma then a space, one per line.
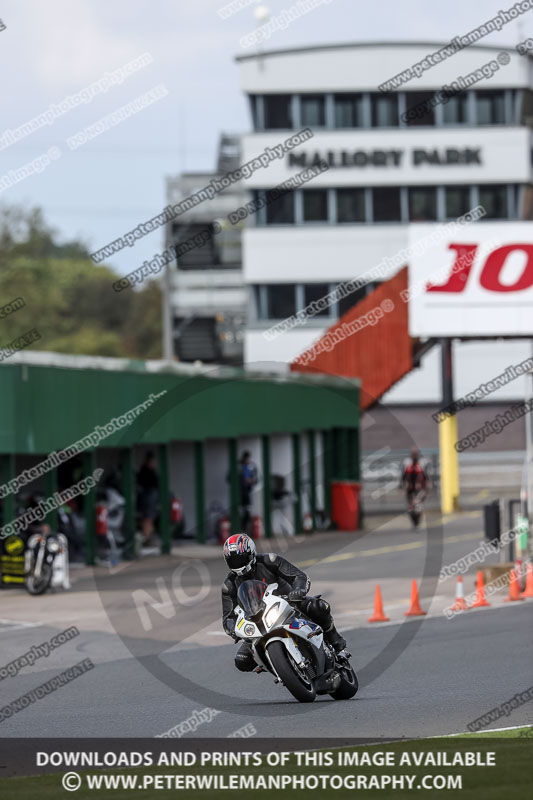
300, 686
39, 585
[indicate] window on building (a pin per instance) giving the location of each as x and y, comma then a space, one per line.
386, 203
351, 299
315, 205
257, 196
457, 200
253, 108
455, 109
527, 108
425, 112
256, 302
525, 202
279, 210
314, 292
490, 107
313, 109
350, 205
278, 111
384, 110
348, 110
281, 300
228, 246
513, 112
494, 201
422, 203
516, 203
188, 255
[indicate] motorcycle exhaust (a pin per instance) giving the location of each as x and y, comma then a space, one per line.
328, 682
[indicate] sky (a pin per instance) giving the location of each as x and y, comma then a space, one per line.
51, 49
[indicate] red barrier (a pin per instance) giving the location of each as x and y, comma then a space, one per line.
345, 504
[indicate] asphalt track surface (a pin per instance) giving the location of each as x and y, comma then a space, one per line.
423, 677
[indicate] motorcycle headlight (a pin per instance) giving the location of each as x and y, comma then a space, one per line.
272, 615
52, 546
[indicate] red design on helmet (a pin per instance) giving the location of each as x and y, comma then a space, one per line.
240, 553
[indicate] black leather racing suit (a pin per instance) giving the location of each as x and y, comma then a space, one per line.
271, 568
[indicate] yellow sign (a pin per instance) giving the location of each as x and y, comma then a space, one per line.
14, 545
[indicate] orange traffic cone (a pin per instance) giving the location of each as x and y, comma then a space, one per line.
415, 610
379, 615
528, 591
514, 588
481, 600
460, 602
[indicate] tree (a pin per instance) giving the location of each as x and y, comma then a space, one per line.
69, 299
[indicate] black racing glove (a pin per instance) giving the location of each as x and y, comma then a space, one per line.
230, 630
296, 595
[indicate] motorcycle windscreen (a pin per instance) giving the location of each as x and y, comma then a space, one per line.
250, 597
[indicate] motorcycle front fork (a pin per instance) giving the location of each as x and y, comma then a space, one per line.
39, 560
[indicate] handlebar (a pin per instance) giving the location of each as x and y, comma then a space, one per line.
296, 600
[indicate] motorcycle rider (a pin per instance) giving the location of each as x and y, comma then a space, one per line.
246, 564
414, 479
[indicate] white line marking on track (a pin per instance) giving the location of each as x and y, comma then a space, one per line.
9, 625
385, 550
485, 730
118, 568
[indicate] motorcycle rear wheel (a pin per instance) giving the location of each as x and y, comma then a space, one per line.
349, 683
39, 585
303, 692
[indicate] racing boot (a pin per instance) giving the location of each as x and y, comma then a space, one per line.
333, 638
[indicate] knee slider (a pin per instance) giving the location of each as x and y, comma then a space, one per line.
320, 611
323, 606
324, 612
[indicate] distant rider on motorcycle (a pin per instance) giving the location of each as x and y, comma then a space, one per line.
246, 564
414, 481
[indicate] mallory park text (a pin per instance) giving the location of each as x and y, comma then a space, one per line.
418, 156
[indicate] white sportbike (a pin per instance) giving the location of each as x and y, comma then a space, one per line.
291, 646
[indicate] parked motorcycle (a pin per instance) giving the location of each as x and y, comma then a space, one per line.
41, 551
290, 646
